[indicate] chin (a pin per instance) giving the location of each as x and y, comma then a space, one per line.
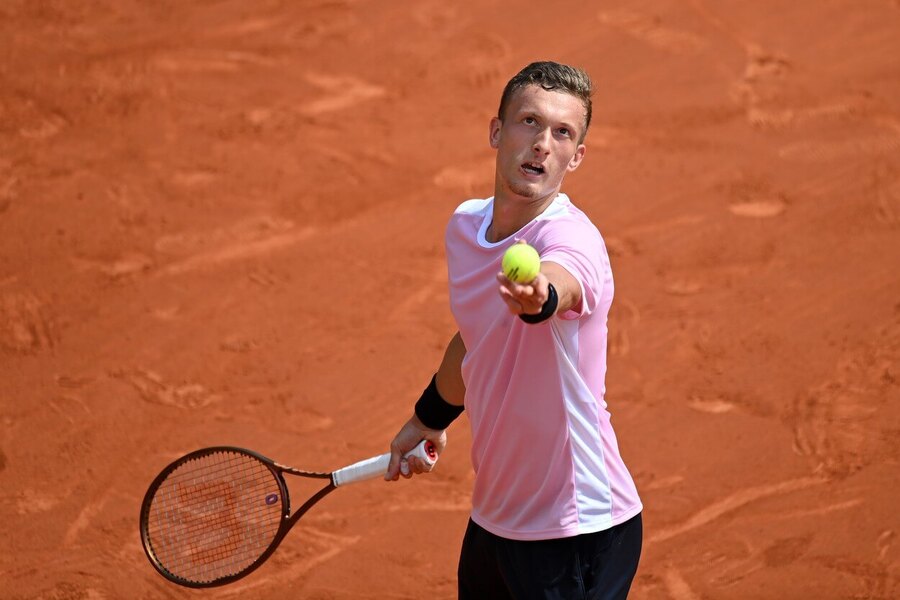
526, 190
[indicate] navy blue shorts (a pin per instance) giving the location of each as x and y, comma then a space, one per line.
592, 566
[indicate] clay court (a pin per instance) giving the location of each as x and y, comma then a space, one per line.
222, 223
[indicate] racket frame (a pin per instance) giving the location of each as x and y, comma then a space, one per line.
287, 520
359, 471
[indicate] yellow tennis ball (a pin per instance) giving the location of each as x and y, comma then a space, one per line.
521, 263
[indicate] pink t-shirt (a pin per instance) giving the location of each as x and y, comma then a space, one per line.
545, 455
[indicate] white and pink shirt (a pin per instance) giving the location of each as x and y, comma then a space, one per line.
545, 455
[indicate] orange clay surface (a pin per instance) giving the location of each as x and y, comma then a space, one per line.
221, 223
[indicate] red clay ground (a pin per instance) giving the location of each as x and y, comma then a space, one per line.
221, 223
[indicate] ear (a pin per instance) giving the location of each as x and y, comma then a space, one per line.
576, 158
494, 132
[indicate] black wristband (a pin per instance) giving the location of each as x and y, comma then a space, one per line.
547, 310
433, 410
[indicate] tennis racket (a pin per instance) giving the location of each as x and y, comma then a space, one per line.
215, 515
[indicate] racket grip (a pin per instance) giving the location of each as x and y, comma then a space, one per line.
377, 465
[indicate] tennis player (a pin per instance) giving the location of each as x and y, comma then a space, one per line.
555, 513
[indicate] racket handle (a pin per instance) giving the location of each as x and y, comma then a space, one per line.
377, 465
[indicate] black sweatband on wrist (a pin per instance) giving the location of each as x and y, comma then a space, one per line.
433, 410
547, 310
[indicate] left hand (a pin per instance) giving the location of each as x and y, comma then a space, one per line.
406, 439
524, 298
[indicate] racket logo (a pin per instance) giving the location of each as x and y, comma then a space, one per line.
271, 499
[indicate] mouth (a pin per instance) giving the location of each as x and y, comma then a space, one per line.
531, 168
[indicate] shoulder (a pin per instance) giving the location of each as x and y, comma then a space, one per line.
473, 207
467, 219
565, 221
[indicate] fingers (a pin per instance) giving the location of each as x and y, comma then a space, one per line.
514, 306
407, 467
394, 466
410, 435
402, 466
401, 469
522, 298
418, 466
519, 289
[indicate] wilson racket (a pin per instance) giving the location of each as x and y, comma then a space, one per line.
215, 515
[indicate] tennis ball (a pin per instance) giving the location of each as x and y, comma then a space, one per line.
521, 263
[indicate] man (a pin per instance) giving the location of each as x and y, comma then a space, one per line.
555, 513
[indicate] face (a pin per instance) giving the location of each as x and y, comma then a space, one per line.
537, 142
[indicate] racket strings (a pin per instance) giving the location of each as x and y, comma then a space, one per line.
214, 516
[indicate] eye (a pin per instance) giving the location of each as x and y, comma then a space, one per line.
564, 131
529, 120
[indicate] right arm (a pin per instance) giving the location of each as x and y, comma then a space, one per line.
450, 386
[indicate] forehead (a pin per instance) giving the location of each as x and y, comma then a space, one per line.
550, 104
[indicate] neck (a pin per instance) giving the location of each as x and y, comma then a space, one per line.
511, 214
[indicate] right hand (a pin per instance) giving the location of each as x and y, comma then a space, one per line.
408, 438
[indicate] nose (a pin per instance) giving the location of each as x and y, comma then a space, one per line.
541, 144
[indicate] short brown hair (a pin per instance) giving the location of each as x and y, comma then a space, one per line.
552, 76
